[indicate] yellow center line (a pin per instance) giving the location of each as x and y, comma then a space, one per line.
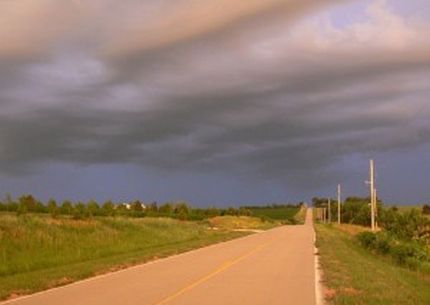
226, 265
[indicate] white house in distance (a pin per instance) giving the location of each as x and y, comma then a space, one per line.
128, 205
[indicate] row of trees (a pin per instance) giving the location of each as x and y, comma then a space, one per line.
79, 210
411, 225
354, 210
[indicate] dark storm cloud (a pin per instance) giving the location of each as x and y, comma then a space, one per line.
249, 92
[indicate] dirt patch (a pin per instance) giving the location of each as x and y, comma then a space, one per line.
16, 294
329, 294
60, 282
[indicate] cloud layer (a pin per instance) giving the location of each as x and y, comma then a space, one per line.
264, 89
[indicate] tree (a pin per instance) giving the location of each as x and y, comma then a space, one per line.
52, 208
181, 210
137, 206
79, 211
356, 210
152, 207
26, 203
108, 208
166, 208
318, 202
426, 209
231, 211
93, 208
181, 207
66, 208
244, 212
212, 212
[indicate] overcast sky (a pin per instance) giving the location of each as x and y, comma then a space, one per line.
214, 101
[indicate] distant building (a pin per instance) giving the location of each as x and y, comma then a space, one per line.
128, 205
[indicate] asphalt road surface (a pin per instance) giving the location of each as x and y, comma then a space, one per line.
270, 268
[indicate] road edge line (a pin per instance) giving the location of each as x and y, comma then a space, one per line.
318, 277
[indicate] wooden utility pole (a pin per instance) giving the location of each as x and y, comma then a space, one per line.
372, 194
376, 206
329, 210
338, 203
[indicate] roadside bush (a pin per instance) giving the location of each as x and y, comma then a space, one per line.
408, 253
382, 243
426, 209
366, 239
407, 226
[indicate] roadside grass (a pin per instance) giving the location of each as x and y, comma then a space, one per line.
355, 276
37, 253
300, 216
281, 213
241, 223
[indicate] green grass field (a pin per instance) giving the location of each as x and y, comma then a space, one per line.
38, 252
355, 276
283, 213
407, 208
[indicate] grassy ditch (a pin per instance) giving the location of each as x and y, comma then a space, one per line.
355, 275
38, 252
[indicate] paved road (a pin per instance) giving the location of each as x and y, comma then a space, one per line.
270, 268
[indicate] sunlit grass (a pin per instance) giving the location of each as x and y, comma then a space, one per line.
38, 252
241, 223
355, 276
282, 213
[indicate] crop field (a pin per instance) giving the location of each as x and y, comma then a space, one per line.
39, 252
407, 208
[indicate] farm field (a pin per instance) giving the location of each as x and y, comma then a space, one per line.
287, 214
407, 208
38, 252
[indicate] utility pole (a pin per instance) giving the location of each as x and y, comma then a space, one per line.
372, 194
338, 203
329, 210
376, 206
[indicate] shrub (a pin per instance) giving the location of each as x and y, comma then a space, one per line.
382, 243
426, 209
367, 239
407, 253
407, 226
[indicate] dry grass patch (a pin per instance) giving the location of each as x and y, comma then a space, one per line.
240, 223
